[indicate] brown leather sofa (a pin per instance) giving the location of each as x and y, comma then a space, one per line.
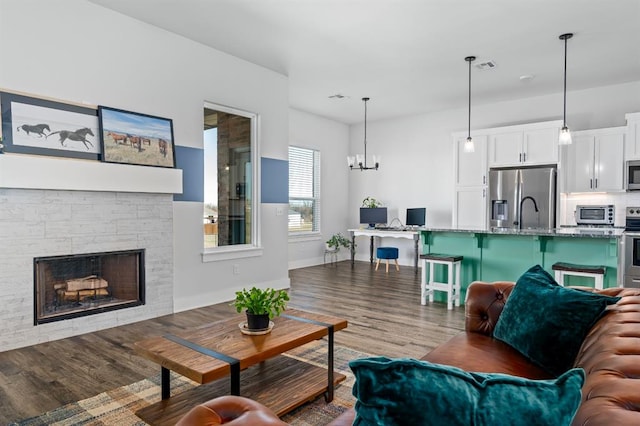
610, 357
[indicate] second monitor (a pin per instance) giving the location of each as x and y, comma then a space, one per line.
416, 217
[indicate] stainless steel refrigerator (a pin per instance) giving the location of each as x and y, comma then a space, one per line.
522, 198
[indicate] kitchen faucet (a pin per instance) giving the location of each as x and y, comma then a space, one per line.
535, 206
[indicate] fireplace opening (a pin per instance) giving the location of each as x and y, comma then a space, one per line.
84, 284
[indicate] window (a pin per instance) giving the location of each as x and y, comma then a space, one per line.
229, 216
304, 190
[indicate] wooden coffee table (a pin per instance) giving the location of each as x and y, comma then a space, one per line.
213, 351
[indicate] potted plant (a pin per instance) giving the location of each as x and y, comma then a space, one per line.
260, 305
371, 203
336, 241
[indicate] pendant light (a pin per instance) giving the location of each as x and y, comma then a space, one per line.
359, 162
468, 144
565, 134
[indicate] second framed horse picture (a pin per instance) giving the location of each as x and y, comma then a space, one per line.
134, 138
45, 127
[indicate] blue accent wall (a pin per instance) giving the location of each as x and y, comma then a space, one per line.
191, 161
274, 177
274, 180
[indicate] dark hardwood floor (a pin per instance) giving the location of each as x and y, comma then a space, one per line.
384, 313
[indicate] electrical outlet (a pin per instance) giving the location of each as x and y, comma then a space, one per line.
236, 269
279, 211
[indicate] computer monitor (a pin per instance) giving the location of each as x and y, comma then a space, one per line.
416, 217
373, 216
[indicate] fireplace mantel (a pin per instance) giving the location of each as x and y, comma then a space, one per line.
41, 172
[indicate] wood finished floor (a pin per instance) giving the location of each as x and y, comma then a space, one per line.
384, 313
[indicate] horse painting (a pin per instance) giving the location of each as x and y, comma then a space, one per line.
38, 129
162, 146
118, 138
79, 135
135, 142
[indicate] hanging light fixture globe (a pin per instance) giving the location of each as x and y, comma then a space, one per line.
469, 146
565, 134
359, 162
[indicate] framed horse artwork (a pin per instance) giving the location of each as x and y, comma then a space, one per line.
135, 138
46, 127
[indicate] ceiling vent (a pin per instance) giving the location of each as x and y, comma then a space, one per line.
486, 65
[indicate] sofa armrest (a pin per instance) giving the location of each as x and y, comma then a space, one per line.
484, 304
231, 410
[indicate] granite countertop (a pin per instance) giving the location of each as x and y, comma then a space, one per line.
568, 231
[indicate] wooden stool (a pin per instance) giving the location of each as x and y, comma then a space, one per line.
567, 269
451, 287
387, 253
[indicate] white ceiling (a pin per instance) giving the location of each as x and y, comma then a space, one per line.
408, 55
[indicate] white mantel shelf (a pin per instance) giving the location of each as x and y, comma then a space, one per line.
41, 172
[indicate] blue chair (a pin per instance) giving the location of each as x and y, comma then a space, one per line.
387, 253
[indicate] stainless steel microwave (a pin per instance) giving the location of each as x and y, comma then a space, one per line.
632, 175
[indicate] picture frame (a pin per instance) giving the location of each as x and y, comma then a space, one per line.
135, 138
45, 127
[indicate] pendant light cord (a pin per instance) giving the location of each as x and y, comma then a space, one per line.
469, 59
365, 131
469, 120
565, 37
564, 112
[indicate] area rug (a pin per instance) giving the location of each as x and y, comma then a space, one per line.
118, 406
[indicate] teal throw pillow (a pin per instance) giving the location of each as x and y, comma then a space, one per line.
546, 322
404, 391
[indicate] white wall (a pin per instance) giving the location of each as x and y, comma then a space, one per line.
332, 139
417, 151
76, 51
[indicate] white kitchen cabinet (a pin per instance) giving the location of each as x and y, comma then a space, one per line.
471, 167
595, 161
632, 141
524, 145
470, 208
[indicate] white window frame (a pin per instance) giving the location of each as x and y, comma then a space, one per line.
317, 198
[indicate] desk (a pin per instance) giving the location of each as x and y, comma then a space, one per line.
385, 233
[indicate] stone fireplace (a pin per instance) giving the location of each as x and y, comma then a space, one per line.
84, 284
76, 212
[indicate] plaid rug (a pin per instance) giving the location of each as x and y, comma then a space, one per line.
118, 406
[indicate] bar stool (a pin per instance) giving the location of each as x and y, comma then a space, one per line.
451, 287
568, 269
387, 253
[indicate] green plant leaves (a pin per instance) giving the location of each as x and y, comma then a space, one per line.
257, 301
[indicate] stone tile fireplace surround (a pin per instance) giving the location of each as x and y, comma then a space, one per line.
95, 217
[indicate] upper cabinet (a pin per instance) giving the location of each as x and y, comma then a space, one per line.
632, 143
595, 161
471, 167
524, 145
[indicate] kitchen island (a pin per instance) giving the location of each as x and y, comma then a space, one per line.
504, 254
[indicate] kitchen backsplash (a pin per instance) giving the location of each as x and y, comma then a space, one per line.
621, 200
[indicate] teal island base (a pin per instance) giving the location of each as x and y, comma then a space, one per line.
504, 256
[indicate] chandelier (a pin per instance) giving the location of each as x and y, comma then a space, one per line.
359, 162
